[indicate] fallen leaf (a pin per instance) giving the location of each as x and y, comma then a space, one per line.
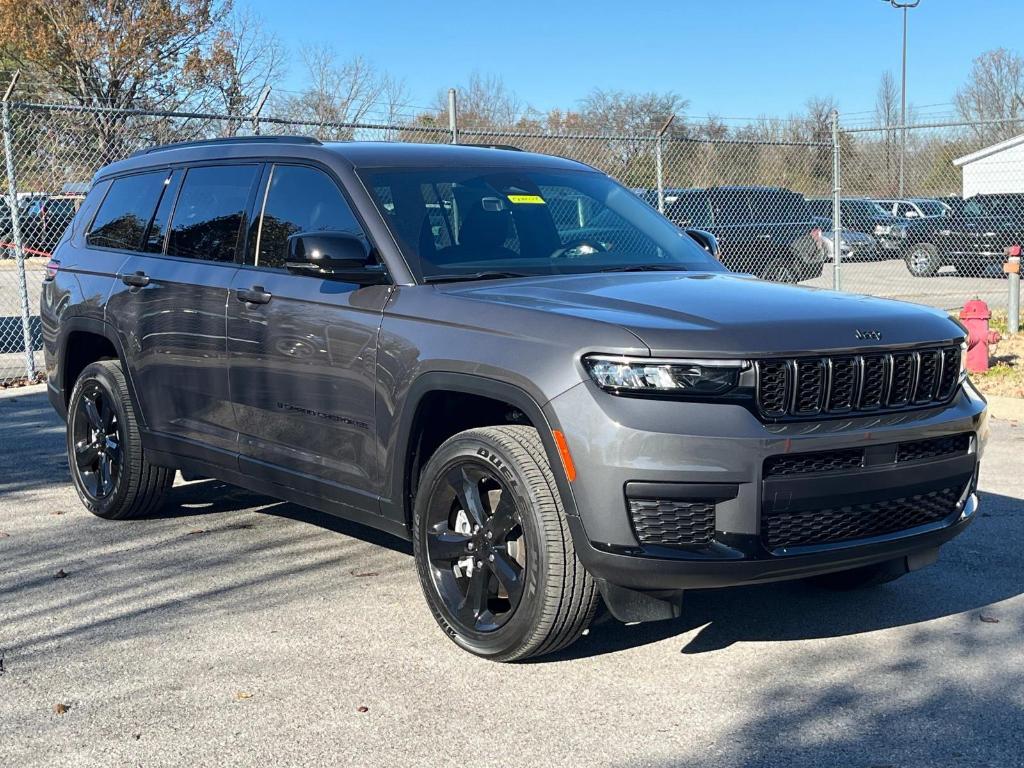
242, 695
60, 574
59, 512
196, 531
4, 535
364, 575
988, 619
362, 709
60, 709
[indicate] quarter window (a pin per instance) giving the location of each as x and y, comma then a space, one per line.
126, 210
299, 199
209, 212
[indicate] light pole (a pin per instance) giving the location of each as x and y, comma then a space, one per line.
903, 5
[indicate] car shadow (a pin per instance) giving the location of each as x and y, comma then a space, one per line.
210, 496
974, 571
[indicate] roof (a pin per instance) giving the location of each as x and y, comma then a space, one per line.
378, 154
993, 149
357, 154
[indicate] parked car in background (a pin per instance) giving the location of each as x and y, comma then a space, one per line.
43, 219
5, 227
411, 337
863, 215
856, 246
914, 208
766, 231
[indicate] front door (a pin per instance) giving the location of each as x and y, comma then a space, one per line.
303, 350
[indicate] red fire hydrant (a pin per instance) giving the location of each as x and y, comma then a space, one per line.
975, 316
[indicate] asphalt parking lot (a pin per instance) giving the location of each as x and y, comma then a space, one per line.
235, 630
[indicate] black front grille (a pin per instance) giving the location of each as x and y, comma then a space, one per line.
815, 461
846, 459
828, 525
673, 522
808, 386
948, 445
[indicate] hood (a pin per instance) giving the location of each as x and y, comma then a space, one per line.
720, 314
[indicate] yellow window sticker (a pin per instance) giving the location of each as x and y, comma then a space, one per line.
526, 199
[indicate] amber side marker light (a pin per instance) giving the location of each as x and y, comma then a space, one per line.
563, 452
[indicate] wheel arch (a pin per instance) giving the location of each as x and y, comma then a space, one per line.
422, 393
84, 340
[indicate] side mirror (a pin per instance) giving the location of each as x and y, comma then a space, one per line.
337, 255
704, 239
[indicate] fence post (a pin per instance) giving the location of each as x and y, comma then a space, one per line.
19, 250
837, 219
259, 108
453, 123
659, 173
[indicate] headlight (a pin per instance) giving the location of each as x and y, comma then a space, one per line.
898, 230
963, 361
682, 377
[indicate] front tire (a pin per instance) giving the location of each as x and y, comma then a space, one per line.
493, 550
923, 260
108, 464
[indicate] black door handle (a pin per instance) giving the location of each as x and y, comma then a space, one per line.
254, 295
138, 280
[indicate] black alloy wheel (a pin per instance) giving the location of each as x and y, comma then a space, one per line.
475, 546
97, 441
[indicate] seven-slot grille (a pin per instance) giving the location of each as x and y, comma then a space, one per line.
808, 386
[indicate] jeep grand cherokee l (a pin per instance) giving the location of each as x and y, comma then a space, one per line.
556, 409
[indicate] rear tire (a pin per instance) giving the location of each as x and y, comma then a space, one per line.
862, 578
493, 550
108, 464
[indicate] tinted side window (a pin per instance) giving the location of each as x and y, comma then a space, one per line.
126, 210
732, 208
772, 207
689, 210
209, 212
300, 200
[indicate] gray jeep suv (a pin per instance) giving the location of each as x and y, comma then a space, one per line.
509, 359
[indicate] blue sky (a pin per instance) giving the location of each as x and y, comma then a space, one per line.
738, 59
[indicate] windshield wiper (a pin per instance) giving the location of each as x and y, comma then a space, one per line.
646, 268
464, 276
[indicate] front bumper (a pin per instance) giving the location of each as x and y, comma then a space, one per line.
617, 442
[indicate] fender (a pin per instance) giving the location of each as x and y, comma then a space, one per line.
98, 327
396, 505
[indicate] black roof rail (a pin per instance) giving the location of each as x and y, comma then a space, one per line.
509, 147
230, 140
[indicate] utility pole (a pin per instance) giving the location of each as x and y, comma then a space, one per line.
903, 5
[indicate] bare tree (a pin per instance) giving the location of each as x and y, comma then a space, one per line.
242, 60
887, 114
352, 91
486, 103
994, 91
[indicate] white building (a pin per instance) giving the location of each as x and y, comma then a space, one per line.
994, 169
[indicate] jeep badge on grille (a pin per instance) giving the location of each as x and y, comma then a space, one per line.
867, 335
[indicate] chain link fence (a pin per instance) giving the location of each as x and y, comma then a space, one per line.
925, 212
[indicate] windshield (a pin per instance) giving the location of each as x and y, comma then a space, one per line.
453, 222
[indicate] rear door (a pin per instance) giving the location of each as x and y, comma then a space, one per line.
303, 356
171, 307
